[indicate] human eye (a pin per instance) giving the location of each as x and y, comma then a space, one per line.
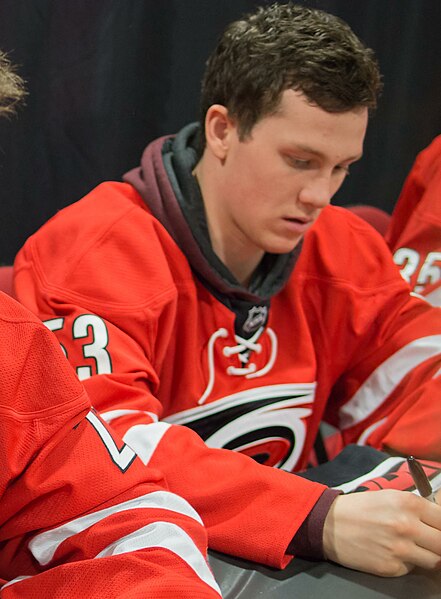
341, 169
298, 163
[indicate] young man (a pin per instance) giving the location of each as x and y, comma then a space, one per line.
414, 233
79, 513
216, 289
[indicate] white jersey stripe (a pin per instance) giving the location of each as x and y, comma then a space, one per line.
160, 534
44, 545
379, 470
380, 384
296, 392
114, 414
434, 297
14, 581
145, 438
168, 536
369, 430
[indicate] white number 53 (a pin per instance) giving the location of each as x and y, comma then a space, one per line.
84, 326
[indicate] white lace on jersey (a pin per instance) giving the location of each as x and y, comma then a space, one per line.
243, 349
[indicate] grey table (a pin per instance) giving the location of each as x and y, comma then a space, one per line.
304, 579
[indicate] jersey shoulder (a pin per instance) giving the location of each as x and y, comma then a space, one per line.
40, 392
107, 248
35, 377
428, 162
344, 248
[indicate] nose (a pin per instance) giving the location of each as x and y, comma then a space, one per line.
317, 192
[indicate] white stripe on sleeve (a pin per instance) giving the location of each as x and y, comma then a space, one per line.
114, 414
44, 545
434, 297
163, 535
369, 430
145, 438
380, 384
14, 580
167, 536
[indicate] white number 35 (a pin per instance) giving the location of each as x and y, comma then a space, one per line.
84, 326
409, 261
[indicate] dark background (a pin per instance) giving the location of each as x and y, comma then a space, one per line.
107, 76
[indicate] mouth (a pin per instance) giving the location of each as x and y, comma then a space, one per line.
298, 224
299, 220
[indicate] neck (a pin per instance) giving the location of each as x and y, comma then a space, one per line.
236, 260
240, 259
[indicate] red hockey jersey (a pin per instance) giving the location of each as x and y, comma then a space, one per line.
343, 341
79, 514
414, 233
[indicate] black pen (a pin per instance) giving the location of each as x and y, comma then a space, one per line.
420, 479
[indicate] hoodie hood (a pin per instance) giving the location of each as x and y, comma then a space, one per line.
165, 182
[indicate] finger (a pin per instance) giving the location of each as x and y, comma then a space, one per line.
430, 512
423, 558
429, 538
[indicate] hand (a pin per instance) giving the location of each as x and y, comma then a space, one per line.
384, 532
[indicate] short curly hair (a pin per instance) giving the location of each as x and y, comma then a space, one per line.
12, 90
288, 46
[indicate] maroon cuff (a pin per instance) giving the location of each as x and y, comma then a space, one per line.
308, 540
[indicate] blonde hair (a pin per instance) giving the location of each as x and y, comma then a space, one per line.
12, 89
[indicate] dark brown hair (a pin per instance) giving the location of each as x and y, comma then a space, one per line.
287, 46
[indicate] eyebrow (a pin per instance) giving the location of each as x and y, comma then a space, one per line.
307, 149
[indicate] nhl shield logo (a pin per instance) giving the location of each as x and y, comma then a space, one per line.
257, 316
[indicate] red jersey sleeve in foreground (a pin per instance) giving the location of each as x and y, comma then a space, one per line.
80, 515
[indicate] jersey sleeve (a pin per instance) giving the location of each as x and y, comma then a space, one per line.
379, 345
387, 396
80, 514
243, 505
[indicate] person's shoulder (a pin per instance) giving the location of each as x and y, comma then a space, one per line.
12, 314
430, 157
344, 247
20, 327
105, 249
106, 204
34, 374
424, 173
339, 226
427, 175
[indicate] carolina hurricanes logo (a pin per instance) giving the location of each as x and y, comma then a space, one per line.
265, 423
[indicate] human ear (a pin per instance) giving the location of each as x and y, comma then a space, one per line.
218, 130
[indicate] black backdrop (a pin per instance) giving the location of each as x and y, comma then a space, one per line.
107, 76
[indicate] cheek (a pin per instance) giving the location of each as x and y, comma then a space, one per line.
263, 183
251, 166
249, 186
257, 183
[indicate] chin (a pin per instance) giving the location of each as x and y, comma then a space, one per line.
282, 247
